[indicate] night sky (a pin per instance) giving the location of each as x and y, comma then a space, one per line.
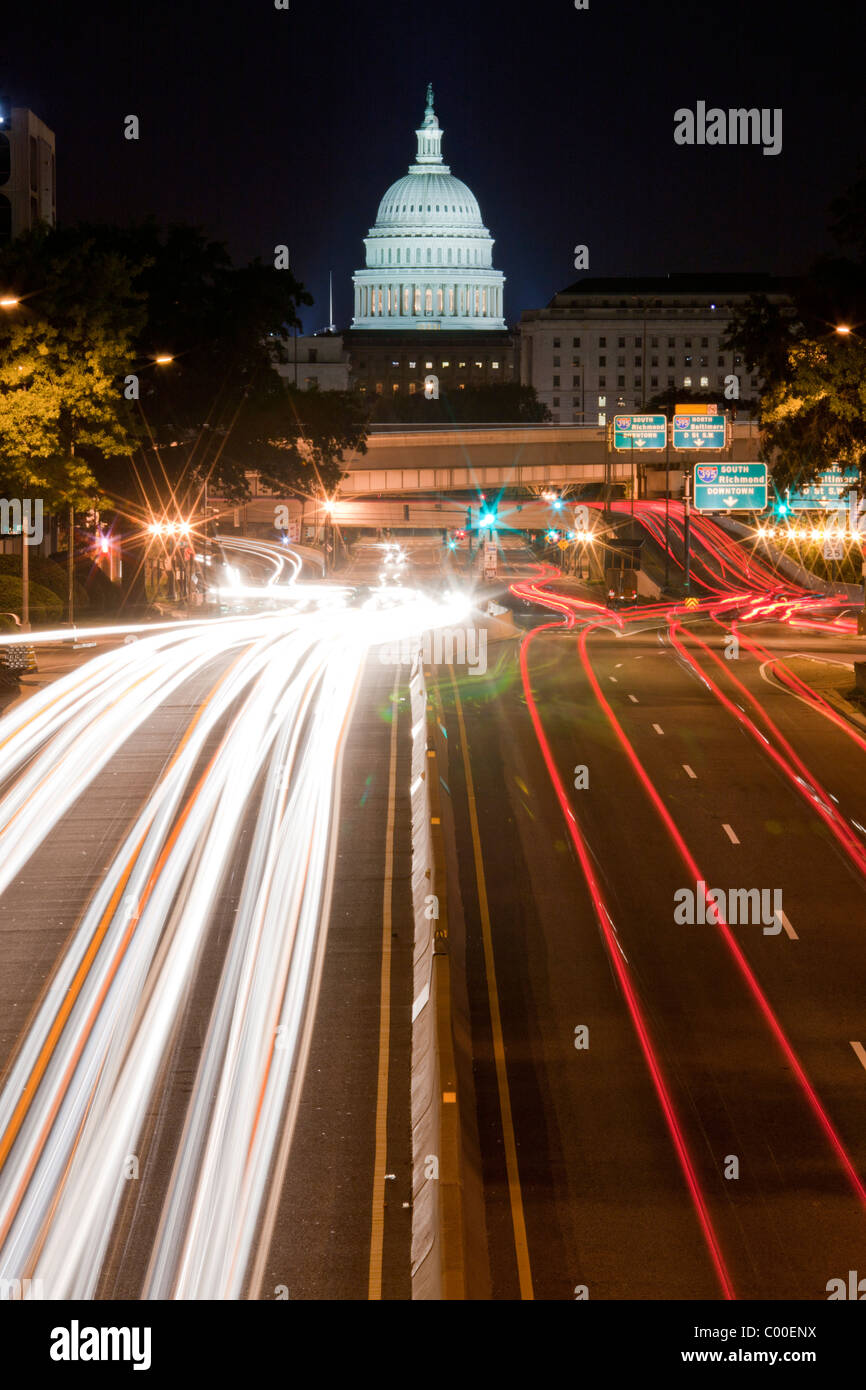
266, 126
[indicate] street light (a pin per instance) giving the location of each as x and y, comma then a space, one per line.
843, 328
163, 359
10, 301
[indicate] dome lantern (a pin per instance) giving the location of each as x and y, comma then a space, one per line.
429, 137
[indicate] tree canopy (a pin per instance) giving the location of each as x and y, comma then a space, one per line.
813, 404
63, 348
86, 410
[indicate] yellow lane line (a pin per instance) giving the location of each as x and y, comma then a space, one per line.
521, 1247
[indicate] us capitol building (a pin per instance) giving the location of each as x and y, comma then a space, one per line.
429, 299
430, 302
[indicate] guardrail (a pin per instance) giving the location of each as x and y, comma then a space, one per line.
792, 569
437, 1256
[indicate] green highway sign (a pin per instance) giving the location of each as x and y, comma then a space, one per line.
730, 487
700, 431
829, 490
640, 431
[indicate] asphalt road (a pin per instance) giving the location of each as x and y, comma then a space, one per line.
204, 1024
652, 1108
704, 1046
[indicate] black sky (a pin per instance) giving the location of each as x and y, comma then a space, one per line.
267, 126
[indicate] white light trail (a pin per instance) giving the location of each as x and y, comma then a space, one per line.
279, 694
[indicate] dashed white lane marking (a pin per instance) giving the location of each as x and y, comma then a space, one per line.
689, 771
789, 930
633, 699
617, 666
612, 678
658, 728
730, 834
859, 1053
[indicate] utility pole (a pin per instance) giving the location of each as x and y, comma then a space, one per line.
667, 505
70, 558
70, 567
688, 532
206, 548
25, 575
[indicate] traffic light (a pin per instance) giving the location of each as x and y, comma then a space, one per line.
488, 517
781, 508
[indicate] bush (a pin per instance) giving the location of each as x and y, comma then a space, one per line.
45, 572
45, 607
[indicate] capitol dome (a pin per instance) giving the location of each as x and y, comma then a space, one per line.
429, 256
424, 200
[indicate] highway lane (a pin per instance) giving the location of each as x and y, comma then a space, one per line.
601, 1188
793, 1214
335, 1191
218, 876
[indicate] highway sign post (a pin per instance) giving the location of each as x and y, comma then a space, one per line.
700, 431
730, 487
639, 431
834, 548
489, 559
827, 491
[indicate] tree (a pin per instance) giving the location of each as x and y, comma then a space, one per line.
813, 407
296, 440
225, 328
816, 414
62, 351
84, 409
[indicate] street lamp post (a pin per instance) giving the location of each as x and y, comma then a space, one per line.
687, 534
25, 579
70, 568
11, 301
667, 506
844, 330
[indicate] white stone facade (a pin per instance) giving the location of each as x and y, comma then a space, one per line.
606, 346
429, 255
316, 361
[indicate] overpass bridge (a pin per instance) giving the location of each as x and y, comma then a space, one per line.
445, 459
424, 478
